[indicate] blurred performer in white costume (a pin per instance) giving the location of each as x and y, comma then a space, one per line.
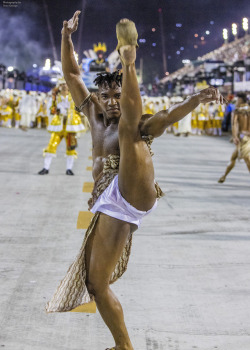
28, 110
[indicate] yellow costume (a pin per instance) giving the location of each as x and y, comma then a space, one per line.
42, 114
201, 119
6, 114
217, 121
149, 107
16, 112
208, 120
65, 124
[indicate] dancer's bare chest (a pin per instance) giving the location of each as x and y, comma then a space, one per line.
104, 142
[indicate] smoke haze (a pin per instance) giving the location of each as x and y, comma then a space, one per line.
23, 36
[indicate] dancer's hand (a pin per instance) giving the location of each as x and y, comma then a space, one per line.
236, 140
71, 25
211, 94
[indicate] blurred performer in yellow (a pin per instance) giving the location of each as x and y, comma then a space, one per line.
217, 121
149, 106
201, 119
16, 111
6, 113
65, 124
208, 120
194, 122
241, 135
42, 112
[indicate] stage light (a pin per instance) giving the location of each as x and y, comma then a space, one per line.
245, 24
167, 73
153, 29
154, 44
202, 38
212, 22
10, 69
234, 29
142, 40
225, 34
182, 48
186, 61
178, 52
178, 25
196, 35
207, 32
47, 64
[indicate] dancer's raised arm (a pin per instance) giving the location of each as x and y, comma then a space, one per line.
70, 67
157, 124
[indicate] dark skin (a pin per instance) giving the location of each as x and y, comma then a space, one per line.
241, 126
117, 126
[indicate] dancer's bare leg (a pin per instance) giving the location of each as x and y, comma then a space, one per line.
247, 161
103, 250
135, 159
230, 166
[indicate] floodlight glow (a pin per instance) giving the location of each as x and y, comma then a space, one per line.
234, 29
47, 64
245, 24
10, 69
225, 34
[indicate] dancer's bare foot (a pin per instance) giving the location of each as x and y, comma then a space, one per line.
127, 41
222, 179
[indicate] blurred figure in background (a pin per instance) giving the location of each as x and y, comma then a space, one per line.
28, 109
241, 135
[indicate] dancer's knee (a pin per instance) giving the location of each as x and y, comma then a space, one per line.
96, 287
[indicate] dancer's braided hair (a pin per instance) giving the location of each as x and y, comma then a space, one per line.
108, 78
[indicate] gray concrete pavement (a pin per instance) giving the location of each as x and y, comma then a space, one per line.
188, 281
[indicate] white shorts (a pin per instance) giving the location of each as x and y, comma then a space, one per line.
112, 203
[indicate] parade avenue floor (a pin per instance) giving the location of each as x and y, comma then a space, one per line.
188, 280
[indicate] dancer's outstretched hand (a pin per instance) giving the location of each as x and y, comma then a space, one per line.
71, 25
211, 94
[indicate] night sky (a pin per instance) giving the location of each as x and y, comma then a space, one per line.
24, 37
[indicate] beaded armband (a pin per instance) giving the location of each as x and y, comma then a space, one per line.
83, 104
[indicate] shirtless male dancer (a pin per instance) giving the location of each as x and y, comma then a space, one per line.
241, 135
118, 129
